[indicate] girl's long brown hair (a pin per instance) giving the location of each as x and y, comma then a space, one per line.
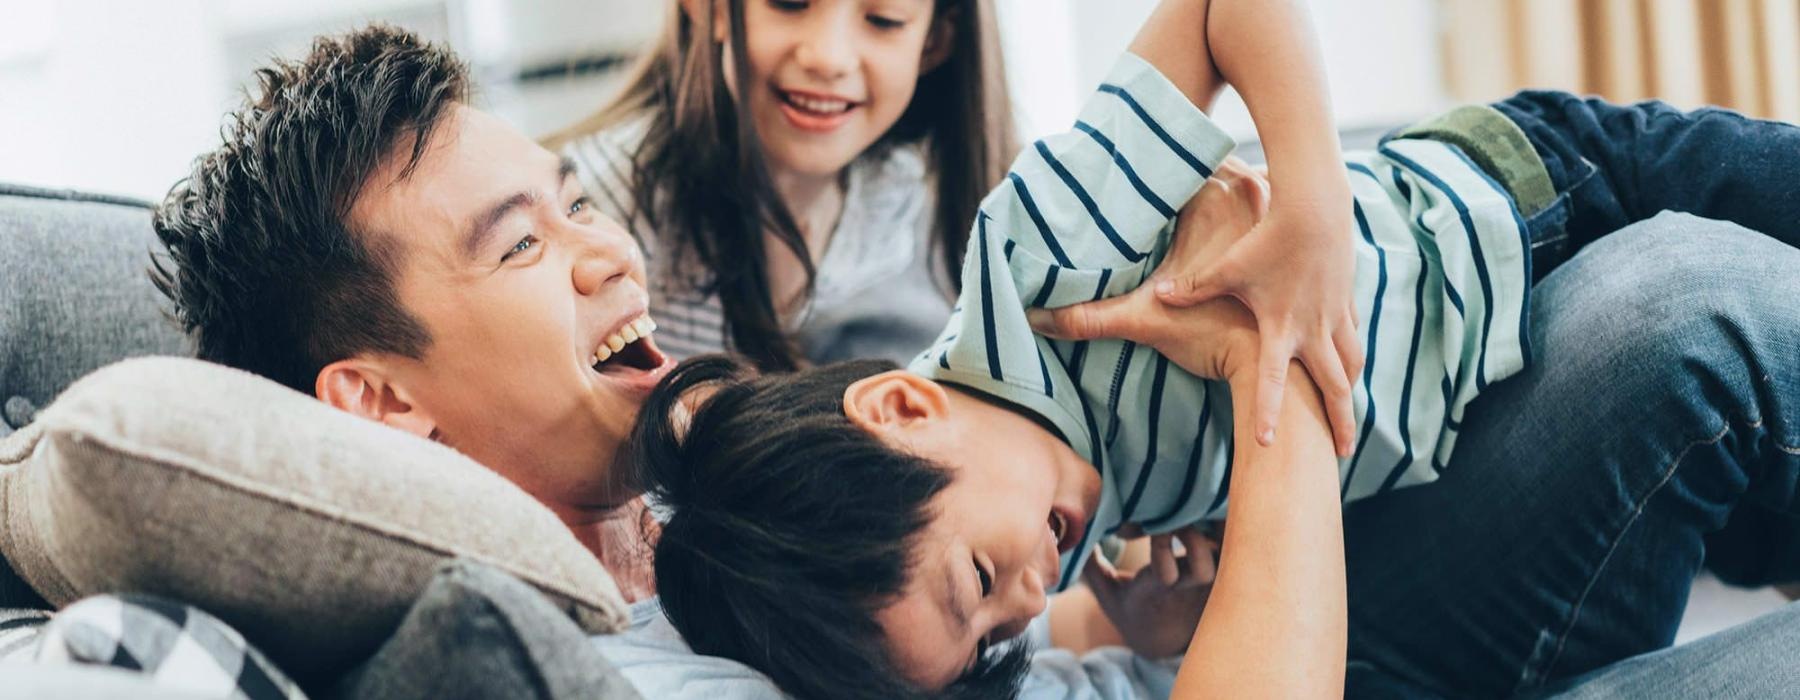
700, 174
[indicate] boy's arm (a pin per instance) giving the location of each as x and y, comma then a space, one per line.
1296, 275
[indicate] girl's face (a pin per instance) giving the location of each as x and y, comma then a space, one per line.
829, 77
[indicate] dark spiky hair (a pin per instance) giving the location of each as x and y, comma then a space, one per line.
263, 264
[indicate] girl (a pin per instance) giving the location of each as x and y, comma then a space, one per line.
803, 193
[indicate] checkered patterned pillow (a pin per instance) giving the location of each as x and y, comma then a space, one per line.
19, 627
174, 645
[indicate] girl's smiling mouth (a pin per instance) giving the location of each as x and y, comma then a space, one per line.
812, 111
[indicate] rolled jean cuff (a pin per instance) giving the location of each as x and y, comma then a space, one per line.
1498, 146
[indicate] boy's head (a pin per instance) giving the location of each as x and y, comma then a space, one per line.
365, 236
853, 522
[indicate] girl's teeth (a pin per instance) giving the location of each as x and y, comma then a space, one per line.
643, 326
603, 354
822, 106
629, 333
615, 343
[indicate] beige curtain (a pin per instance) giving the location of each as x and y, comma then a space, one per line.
1742, 54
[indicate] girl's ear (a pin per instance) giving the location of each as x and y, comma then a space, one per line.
698, 10
940, 41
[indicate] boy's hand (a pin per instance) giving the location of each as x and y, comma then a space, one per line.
1157, 608
1294, 269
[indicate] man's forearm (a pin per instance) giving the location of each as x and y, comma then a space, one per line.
1276, 624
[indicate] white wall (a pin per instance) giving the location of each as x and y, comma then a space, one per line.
1381, 58
119, 95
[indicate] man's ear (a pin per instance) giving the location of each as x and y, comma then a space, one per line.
895, 401
940, 41
364, 387
697, 11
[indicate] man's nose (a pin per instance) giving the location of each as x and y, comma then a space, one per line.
601, 262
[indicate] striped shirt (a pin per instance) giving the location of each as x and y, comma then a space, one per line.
881, 289
1441, 283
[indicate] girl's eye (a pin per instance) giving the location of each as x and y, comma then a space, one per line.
523, 245
987, 580
581, 204
880, 22
789, 5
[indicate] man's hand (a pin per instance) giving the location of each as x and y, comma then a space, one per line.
1294, 267
1157, 608
1214, 339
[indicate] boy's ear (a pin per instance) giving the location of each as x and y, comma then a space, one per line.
697, 11
940, 41
364, 387
894, 400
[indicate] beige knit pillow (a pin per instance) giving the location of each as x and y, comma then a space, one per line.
306, 528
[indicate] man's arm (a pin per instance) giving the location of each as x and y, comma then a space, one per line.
1277, 621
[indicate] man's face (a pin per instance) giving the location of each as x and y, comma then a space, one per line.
520, 283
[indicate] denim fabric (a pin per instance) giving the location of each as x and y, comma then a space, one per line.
1565, 533
1752, 660
1614, 165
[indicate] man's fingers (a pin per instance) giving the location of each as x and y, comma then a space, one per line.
1272, 368
1200, 568
1106, 318
1162, 559
1182, 290
1349, 346
1327, 369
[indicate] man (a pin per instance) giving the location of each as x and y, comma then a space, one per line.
365, 236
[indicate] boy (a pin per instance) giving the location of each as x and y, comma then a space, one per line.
979, 479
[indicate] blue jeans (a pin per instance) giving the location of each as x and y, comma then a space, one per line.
1660, 419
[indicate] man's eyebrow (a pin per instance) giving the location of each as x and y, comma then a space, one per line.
482, 230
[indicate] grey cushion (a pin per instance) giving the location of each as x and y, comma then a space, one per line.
74, 293
477, 632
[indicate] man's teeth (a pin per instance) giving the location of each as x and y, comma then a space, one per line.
813, 104
634, 331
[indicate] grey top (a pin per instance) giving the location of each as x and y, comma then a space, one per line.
882, 290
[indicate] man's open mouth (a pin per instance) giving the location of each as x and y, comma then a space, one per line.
629, 349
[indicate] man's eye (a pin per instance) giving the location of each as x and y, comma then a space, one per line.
581, 204
987, 580
523, 245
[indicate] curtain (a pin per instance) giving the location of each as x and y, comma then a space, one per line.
1741, 54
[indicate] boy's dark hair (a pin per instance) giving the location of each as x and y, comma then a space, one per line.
263, 265
790, 528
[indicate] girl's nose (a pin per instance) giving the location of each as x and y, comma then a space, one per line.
828, 53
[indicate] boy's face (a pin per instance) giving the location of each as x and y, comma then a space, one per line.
1018, 498
830, 77
519, 282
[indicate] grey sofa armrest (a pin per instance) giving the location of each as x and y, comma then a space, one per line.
478, 632
74, 293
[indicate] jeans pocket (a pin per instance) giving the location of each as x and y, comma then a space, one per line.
1550, 245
